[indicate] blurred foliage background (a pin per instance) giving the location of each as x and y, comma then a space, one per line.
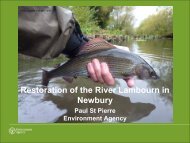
119, 20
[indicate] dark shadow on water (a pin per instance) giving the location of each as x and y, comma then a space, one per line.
123, 105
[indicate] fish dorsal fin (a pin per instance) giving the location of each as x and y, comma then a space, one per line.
94, 45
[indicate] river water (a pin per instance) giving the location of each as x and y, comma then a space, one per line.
137, 107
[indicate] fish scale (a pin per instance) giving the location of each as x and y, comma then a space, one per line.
122, 64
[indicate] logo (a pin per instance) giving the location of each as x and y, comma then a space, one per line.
12, 130
17, 131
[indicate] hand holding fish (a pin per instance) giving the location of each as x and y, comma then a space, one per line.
99, 72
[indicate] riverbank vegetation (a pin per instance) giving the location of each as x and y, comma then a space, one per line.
119, 20
158, 25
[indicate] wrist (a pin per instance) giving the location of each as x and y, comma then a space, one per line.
76, 40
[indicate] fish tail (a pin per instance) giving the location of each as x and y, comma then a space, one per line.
45, 77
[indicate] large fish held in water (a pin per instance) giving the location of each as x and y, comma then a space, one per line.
122, 64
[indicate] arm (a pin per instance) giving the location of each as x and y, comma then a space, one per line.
44, 32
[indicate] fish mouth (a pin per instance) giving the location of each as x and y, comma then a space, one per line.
155, 77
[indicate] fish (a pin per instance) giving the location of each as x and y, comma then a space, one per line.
122, 64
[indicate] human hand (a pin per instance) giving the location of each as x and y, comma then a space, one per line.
99, 72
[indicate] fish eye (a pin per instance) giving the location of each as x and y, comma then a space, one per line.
152, 73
